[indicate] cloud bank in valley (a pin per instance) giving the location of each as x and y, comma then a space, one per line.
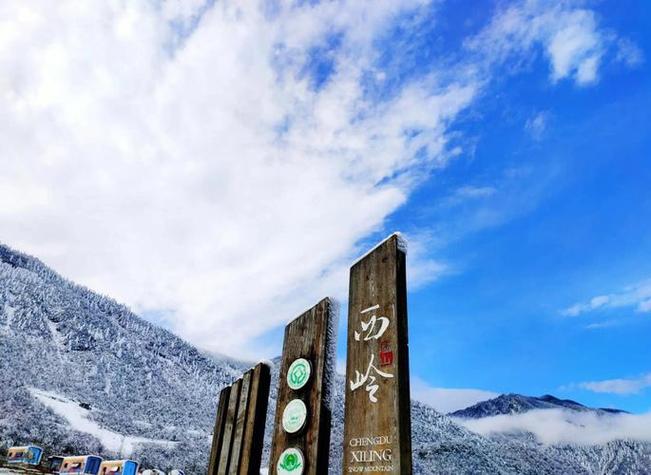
556, 426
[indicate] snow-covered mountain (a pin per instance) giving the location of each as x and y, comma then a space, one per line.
63, 345
518, 404
81, 373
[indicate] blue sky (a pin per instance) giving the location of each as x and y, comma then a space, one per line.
217, 166
560, 215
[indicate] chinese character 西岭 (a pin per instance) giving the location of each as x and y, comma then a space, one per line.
370, 326
368, 379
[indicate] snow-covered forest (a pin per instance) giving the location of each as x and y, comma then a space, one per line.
81, 373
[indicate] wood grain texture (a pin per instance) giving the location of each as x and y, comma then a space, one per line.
238, 437
255, 420
218, 431
239, 425
377, 435
307, 337
229, 428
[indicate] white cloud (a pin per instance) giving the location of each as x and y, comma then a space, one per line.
537, 124
593, 304
618, 386
556, 426
176, 157
341, 366
575, 47
446, 400
605, 324
423, 269
570, 38
629, 53
644, 306
195, 172
637, 295
470, 192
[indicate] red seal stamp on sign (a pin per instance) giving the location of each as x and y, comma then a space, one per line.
386, 353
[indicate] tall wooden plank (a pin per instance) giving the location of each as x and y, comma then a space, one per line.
255, 421
377, 426
240, 423
309, 337
218, 432
229, 428
238, 437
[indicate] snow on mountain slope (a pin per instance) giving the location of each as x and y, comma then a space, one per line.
80, 371
78, 418
518, 404
140, 381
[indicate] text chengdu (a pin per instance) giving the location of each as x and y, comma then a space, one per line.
370, 454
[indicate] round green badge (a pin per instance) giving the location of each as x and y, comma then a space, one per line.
294, 416
291, 462
299, 373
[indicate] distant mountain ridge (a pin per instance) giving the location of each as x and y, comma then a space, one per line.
518, 404
133, 386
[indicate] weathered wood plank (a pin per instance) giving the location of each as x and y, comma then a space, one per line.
238, 437
240, 423
229, 428
310, 337
218, 431
377, 427
255, 421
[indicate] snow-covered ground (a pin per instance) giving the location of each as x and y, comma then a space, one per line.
10, 471
77, 418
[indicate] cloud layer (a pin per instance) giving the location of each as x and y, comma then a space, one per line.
556, 426
568, 36
215, 166
446, 400
618, 386
637, 296
180, 159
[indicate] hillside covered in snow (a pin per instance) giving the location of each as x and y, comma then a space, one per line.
81, 373
517, 404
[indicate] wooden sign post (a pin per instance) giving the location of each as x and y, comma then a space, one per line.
301, 437
377, 426
239, 426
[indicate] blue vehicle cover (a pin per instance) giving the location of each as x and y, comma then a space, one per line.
118, 467
29, 454
92, 464
130, 468
81, 464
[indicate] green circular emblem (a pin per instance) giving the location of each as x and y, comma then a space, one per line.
299, 373
291, 462
294, 416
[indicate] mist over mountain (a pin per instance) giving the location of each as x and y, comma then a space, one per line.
81, 373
